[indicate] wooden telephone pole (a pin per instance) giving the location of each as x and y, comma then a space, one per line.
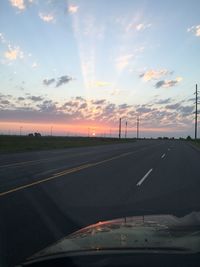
126, 130
120, 126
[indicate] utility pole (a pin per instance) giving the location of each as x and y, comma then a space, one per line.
137, 127
126, 130
51, 130
196, 112
120, 122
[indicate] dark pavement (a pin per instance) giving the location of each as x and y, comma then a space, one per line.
47, 195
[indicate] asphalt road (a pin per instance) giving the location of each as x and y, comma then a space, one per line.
46, 195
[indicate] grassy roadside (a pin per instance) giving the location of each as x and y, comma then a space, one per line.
196, 142
10, 143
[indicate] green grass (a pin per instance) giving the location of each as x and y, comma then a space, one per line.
10, 143
196, 142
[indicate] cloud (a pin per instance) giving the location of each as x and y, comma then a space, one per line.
163, 101
138, 27
83, 106
186, 110
91, 28
117, 92
195, 30
80, 98
48, 81
191, 99
109, 108
63, 79
154, 74
34, 65
123, 61
168, 83
59, 81
173, 106
183, 110
35, 98
13, 53
2, 38
78, 110
73, 9
123, 106
20, 98
99, 102
71, 104
4, 102
47, 106
18, 4
46, 17
142, 26
143, 110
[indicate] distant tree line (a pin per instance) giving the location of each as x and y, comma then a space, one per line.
34, 134
173, 138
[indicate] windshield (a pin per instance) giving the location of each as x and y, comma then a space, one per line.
98, 116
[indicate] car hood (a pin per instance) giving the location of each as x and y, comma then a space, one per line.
142, 233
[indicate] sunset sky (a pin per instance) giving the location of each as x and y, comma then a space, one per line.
78, 66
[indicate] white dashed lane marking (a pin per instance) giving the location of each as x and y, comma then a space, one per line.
144, 178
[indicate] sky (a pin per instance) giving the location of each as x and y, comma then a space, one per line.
76, 67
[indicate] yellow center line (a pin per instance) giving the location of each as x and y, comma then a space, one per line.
29, 162
72, 170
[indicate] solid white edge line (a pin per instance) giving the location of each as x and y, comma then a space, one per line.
163, 156
146, 175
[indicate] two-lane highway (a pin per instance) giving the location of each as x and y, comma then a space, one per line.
46, 195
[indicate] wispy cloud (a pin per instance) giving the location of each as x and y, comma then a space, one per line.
73, 9
142, 26
46, 17
168, 83
154, 74
91, 28
18, 4
21, 4
87, 65
123, 61
13, 53
48, 81
2, 38
195, 30
137, 27
34, 65
163, 101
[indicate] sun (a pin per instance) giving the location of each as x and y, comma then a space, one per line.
93, 134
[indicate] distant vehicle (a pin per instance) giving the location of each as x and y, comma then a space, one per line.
164, 240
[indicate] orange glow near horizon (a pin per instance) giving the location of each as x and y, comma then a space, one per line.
47, 129
70, 129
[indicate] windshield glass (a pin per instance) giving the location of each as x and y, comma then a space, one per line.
98, 117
